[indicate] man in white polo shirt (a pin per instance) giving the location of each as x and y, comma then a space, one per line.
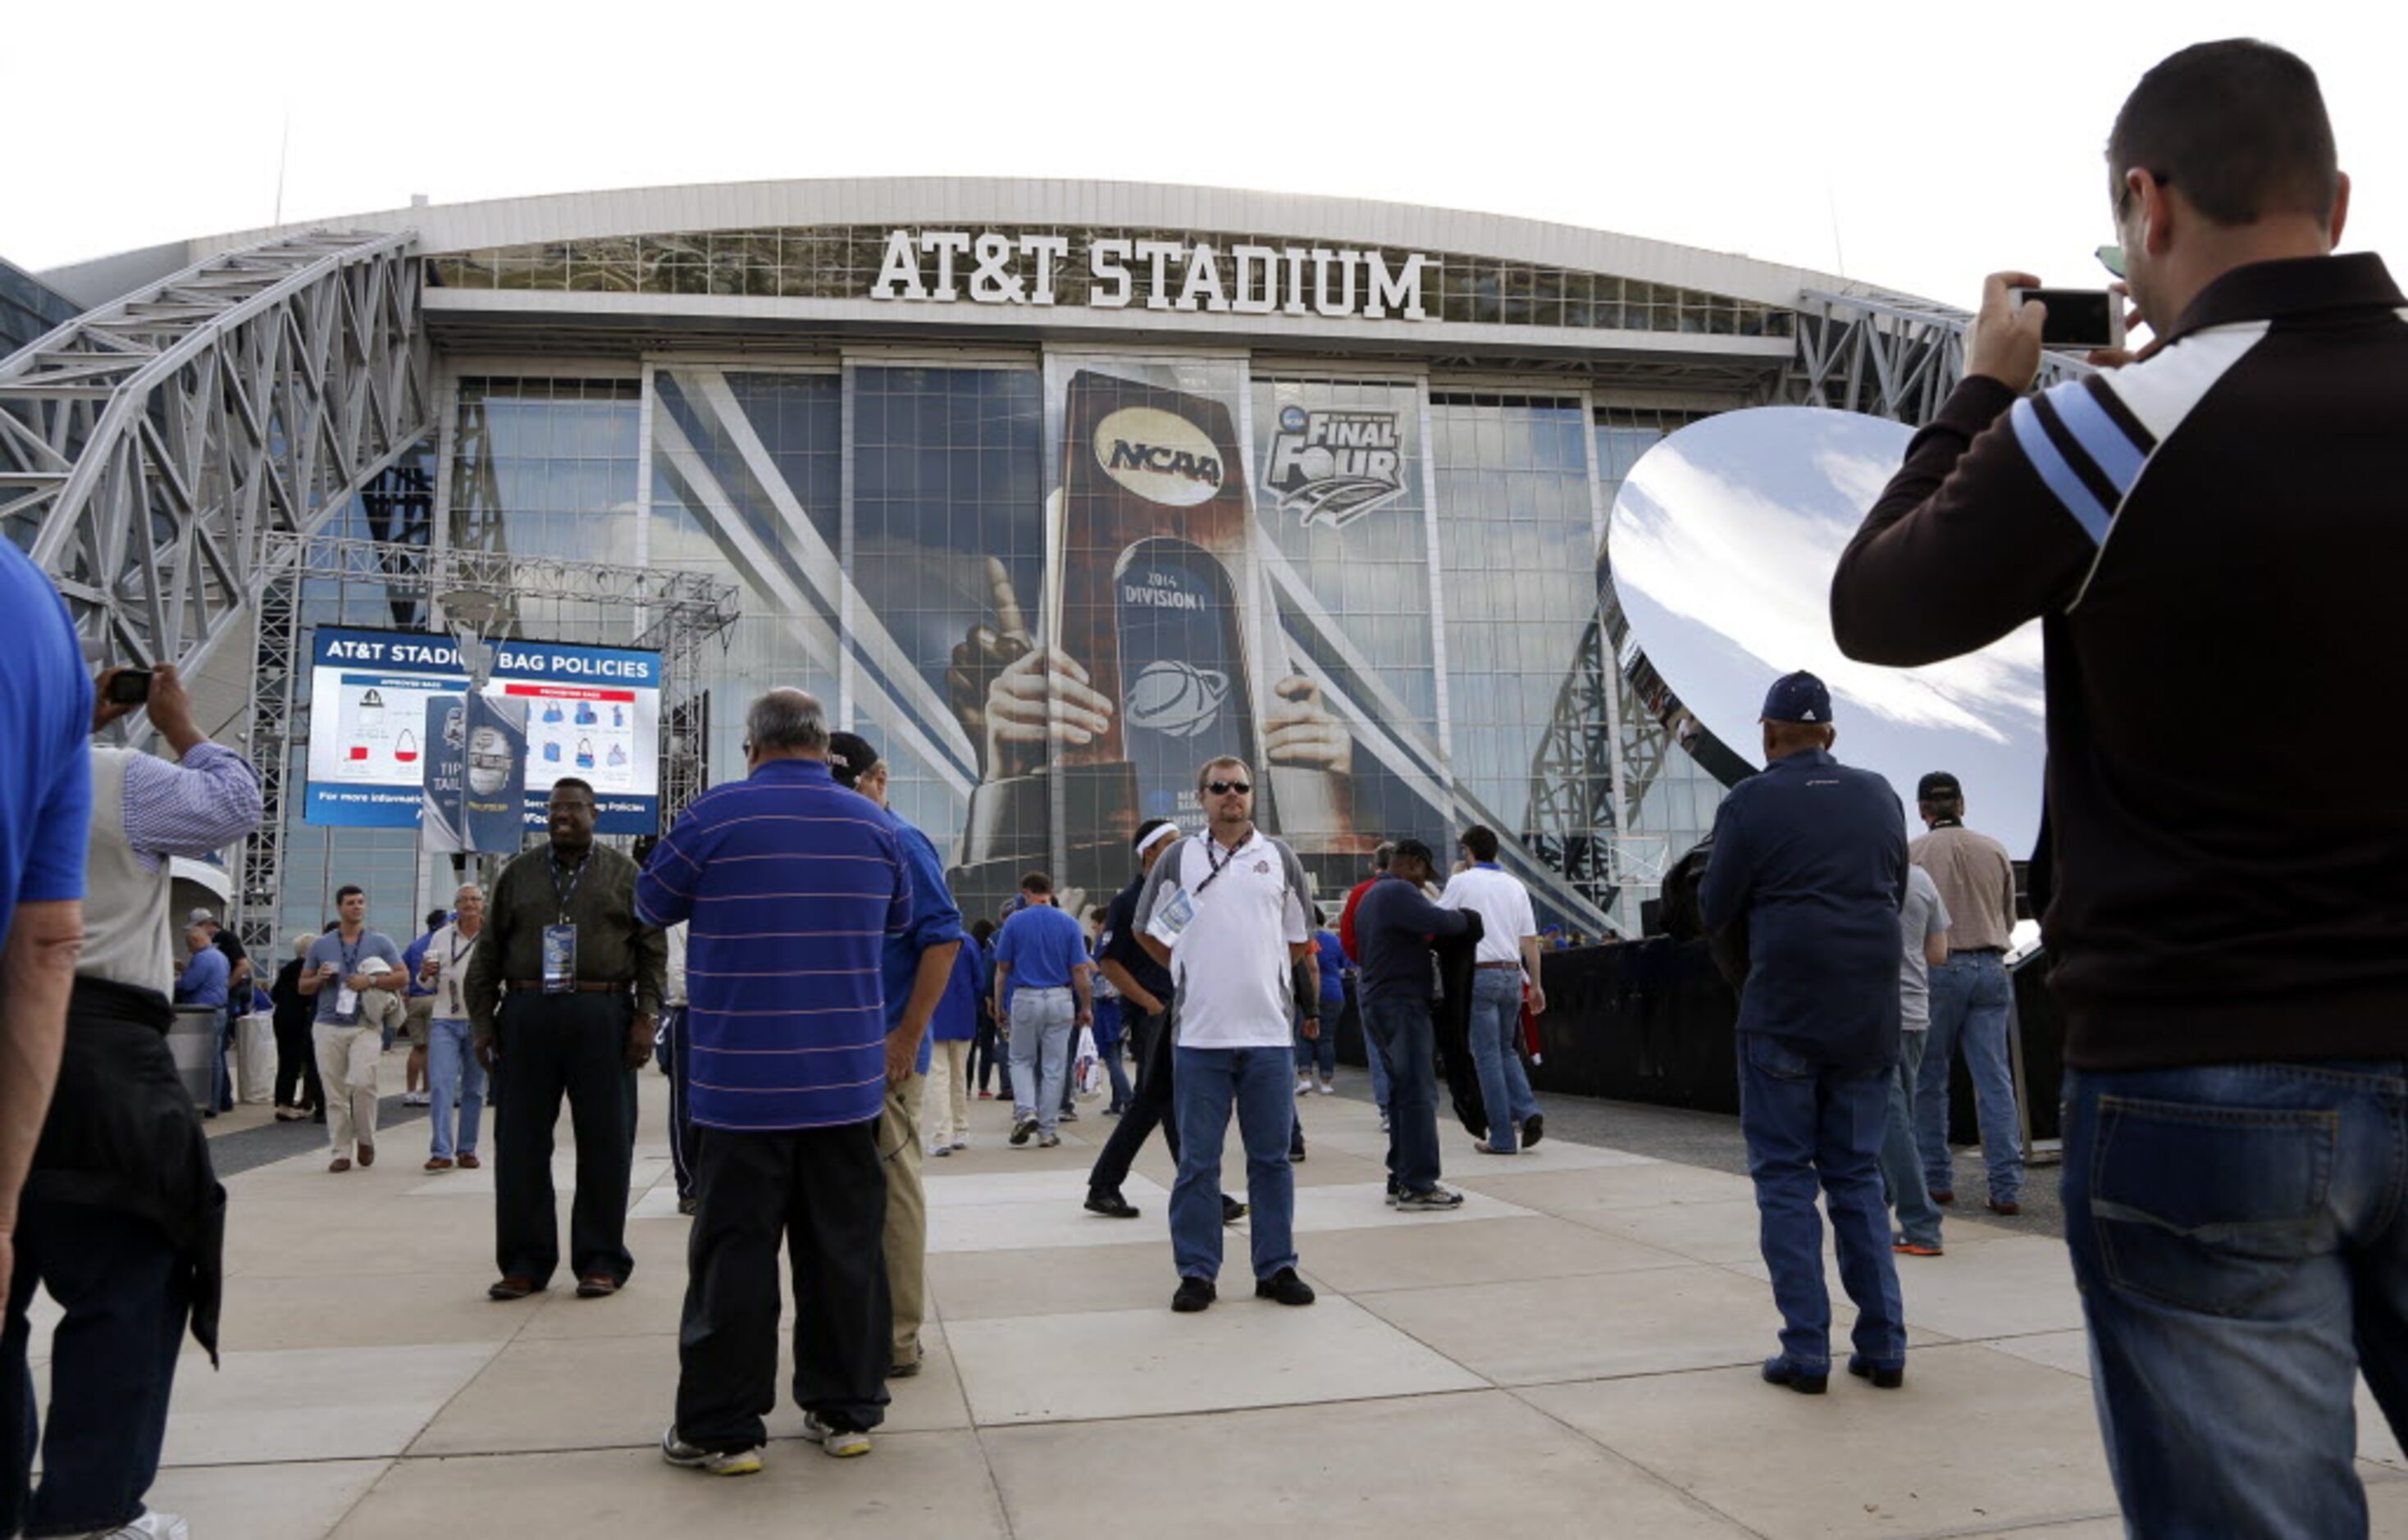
1507, 953
1226, 912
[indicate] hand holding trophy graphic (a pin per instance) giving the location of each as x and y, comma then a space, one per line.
999, 683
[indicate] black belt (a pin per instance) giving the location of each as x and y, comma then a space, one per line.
1497, 964
1977, 952
581, 987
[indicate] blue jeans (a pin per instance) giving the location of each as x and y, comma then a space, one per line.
1321, 1050
452, 1066
1970, 995
1400, 1037
1205, 1083
2236, 1235
125, 1295
221, 1085
1918, 1216
1806, 1125
1040, 1053
1496, 1054
1380, 1090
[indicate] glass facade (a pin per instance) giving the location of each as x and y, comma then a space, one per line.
1048, 591
28, 309
843, 261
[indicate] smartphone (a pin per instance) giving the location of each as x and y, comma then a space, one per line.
2078, 318
129, 686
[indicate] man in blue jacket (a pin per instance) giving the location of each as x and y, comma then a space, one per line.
1811, 856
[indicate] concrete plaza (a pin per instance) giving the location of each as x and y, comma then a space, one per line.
1574, 1351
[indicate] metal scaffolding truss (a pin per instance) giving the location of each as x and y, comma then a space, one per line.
148, 447
1887, 355
676, 613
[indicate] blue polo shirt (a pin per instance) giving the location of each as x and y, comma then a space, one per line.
790, 886
1811, 854
203, 982
956, 1018
935, 920
1043, 945
46, 724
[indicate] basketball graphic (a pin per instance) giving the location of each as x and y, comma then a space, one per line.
1177, 698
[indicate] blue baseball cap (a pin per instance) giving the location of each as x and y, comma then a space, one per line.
1798, 697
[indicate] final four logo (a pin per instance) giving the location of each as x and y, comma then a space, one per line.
1332, 467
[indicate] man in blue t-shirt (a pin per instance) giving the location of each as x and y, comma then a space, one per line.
45, 817
1316, 1038
342, 967
1042, 972
915, 967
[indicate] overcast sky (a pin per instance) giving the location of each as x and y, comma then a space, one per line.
1912, 147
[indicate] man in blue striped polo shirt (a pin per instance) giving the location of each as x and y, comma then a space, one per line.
790, 885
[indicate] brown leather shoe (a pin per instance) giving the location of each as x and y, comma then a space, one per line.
367, 1153
340, 1163
596, 1286
437, 1162
2009, 1206
470, 1162
511, 1288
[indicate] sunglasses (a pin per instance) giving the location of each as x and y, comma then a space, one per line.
1223, 787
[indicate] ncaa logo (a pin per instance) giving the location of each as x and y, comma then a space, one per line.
1177, 699
1292, 420
1160, 456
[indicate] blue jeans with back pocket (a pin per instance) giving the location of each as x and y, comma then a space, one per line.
2239, 1240
1812, 1129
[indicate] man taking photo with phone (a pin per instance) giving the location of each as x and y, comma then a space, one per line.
2210, 529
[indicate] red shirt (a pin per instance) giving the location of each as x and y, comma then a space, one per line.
1346, 921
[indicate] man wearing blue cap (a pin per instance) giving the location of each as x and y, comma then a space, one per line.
1810, 855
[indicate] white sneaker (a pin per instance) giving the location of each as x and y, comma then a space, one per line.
1326, 1089
837, 1442
1304, 1085
676, 1451
150, 1526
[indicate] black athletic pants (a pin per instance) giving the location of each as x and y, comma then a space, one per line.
576, 1046
1148, 1109
823, 1192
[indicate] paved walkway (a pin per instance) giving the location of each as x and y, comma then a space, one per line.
1573, 1352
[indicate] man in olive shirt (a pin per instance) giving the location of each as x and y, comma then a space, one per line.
584, 980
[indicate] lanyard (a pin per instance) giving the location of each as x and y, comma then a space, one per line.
459, 947
350, 953
1217, 861
577, 876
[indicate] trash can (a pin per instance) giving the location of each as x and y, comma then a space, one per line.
193, 1042
254, 1057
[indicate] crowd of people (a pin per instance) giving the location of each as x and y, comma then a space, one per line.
2216, 906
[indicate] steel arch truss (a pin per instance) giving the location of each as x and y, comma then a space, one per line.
149, 448
1887, 356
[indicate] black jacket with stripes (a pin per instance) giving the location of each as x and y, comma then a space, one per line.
2215, 538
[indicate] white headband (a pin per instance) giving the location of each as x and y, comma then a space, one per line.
1162, 832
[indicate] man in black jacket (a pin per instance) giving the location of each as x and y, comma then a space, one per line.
2209, 531
124, 1221
1394, 924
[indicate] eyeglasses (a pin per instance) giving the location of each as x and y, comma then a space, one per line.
1223, 787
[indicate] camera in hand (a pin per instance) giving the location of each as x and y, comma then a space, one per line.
2077, 318
129, 686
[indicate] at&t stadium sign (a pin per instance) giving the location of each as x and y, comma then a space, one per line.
991, 267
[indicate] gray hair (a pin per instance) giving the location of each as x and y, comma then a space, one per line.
787, 721
469, 887
1385, 856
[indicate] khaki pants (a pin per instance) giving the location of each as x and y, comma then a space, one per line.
949, 1091
907, 1214
417, 1010
347, 1063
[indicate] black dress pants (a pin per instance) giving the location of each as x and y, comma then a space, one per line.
297, 1063
556, 1045
823, 1190
1149, 1108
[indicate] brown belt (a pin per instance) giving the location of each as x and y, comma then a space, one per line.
1497, 964
585, 985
